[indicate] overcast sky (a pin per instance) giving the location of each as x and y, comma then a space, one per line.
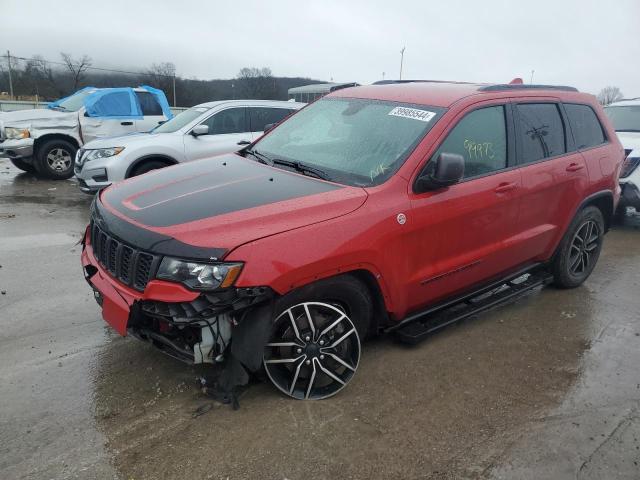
585, 43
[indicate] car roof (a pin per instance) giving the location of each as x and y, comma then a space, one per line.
258, 103
444, 94
626, 103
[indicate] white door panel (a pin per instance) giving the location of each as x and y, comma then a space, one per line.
209, 145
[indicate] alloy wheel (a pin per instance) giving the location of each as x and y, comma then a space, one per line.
583, 247
59, 159
314, 351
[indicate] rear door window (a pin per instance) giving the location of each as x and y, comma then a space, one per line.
541, 131
260, 117
586, 128
149, 104
481, 138
231, 120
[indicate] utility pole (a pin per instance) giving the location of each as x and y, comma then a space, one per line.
532, 72
382, 75
174, 90
10, 80
401, 61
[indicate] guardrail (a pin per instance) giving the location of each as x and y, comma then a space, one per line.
13, 105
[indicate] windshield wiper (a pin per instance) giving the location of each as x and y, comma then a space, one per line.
262, 158
303, 168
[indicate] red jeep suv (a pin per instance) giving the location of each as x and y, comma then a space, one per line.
402, 207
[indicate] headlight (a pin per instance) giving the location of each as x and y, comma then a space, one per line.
199, 276
11, 133
101, 153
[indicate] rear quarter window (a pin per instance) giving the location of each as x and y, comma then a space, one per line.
149, 104
587, 129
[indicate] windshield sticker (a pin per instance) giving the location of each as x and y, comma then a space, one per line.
414, 113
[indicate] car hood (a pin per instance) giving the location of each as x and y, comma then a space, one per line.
208, 207
39, 117
630, 140
128, 140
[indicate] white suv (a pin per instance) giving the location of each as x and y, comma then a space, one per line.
202, 131
625, 116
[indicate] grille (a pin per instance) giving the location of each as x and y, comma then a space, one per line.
130, 266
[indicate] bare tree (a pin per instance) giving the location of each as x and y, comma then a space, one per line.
76, 67
41, 74
257, 83
609, 95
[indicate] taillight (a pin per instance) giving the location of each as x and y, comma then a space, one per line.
628, 166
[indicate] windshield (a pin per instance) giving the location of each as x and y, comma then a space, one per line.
354, 141
624, 119
74, 103
180, 120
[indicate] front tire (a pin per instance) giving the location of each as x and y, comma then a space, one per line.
579, 250
22, 165
54, 159
314, 349
147, 167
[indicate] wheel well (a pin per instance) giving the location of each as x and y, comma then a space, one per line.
604, 203
149, 158
381, 317
54, 136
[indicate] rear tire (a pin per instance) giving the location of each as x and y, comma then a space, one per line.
55, 158
579, 250
314, 349
147, 167
22, 165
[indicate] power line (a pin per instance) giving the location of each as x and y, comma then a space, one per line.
90, 67
9, 57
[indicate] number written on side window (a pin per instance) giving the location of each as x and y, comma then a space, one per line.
541, 131
481, 138
585, 126
231, 120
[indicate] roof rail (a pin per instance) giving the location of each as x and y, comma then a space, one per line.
515, 86
389, 82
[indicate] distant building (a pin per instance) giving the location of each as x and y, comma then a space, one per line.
309, 93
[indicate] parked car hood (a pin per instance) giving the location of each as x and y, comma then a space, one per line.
208, 207
630, 140
122, 140
38, 117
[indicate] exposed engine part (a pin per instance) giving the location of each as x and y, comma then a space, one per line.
215, 337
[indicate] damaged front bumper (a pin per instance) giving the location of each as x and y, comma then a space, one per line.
17, 149
194, 327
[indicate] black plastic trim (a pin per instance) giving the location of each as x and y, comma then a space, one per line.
510, 86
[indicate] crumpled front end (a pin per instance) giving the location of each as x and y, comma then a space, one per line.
194, 327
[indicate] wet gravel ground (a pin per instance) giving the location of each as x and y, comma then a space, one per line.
547, 387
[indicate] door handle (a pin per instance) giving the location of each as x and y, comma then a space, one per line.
244, 142
574, 167
126, 123
505, 187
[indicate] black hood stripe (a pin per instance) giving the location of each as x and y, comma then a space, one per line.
148, 240
207, 188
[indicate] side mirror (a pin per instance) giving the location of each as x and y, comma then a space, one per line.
200, 130
447, 170
269, 126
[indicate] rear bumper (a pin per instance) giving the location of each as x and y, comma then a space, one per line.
17, 149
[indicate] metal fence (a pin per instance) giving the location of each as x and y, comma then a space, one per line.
13, 105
